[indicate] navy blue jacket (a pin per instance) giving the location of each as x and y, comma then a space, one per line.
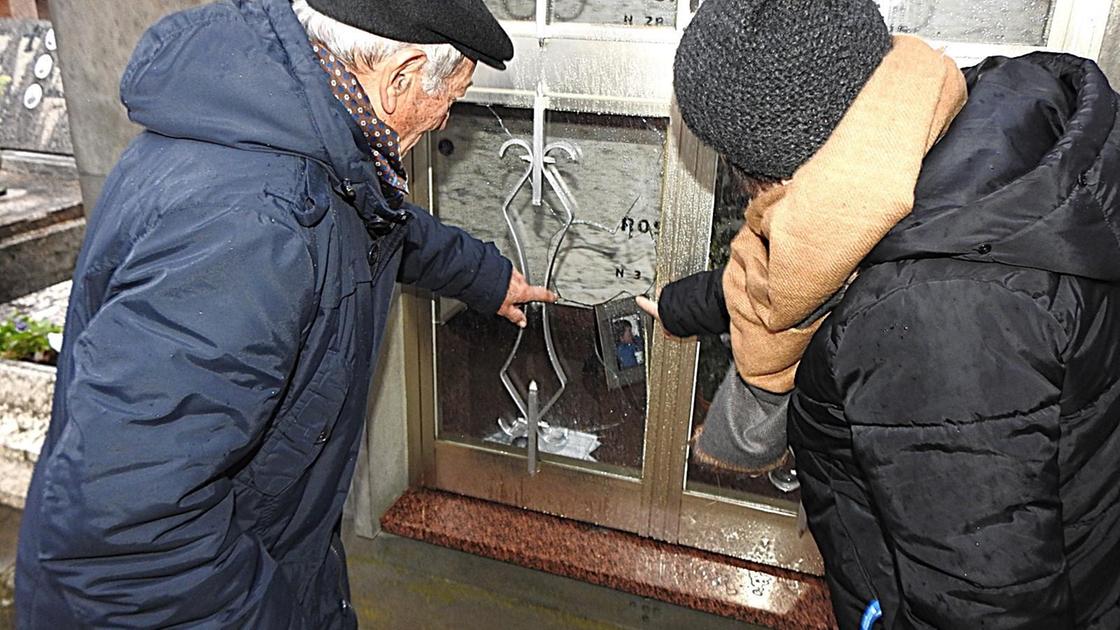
228, 305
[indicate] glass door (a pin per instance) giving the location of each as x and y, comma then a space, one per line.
591, 240
569, 163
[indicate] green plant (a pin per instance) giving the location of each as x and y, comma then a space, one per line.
25, 339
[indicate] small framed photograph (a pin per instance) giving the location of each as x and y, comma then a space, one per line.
623, 328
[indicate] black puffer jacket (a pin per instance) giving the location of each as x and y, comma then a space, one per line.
957, 417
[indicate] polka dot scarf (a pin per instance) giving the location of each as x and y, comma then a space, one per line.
384, 142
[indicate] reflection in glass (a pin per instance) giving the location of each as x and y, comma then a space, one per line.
714, 362
986, 21
623, 12
591, 240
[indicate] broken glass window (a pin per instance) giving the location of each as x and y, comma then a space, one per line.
591, 239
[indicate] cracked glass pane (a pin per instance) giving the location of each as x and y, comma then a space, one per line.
980, 21
615, 188
592, 240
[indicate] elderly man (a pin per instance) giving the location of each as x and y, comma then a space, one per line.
954, 416
228, 306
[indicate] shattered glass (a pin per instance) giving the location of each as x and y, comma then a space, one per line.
592, 240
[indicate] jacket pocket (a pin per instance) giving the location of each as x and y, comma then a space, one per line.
298, 436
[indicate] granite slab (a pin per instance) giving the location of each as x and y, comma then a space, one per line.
713, 583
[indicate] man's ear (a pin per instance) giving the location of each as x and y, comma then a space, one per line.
403, 71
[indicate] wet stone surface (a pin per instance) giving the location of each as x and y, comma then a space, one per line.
400, 583
719, 585
36, 198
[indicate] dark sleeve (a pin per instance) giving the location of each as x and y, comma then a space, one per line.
451, 263
694, 305
952, 394
174, 381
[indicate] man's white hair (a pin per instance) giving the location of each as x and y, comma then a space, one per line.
360, 50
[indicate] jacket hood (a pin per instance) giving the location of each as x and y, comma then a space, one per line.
1027, 175
243, 74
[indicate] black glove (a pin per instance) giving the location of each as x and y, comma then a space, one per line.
694, 305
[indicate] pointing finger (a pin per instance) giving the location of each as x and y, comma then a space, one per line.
538, 294
649, 306
516, 316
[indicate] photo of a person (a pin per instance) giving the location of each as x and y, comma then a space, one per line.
629, 347
622, 330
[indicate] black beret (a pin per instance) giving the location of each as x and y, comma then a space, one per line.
465, 24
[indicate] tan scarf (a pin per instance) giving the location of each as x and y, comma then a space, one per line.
803, 240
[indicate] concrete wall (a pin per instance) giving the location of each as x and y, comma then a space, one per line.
96, 39
382, 472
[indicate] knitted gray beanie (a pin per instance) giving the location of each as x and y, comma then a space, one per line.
765, 82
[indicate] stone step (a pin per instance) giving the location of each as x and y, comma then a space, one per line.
14, 479
20, 441
18, 444
25, 407
26, 389
39, 258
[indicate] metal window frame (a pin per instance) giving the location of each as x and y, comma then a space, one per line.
563, 487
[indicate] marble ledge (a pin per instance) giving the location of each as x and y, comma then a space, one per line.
729, 587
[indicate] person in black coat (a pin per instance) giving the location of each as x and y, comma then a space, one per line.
954, 380
228, 306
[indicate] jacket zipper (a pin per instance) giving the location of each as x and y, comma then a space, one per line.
344, 602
